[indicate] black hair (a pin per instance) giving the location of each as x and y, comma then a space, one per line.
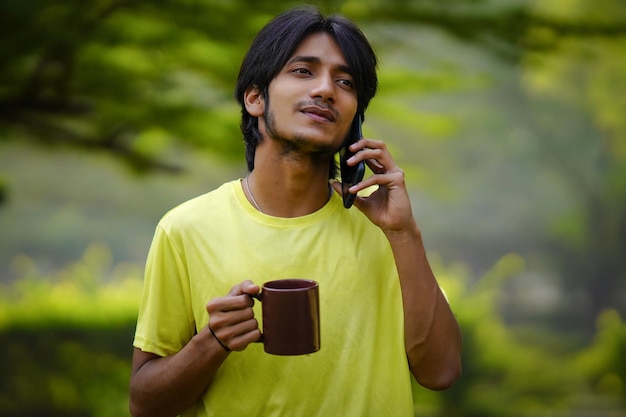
276, 43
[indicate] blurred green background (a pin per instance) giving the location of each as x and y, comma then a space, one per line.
508, 117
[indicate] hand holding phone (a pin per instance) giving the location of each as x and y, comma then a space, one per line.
351, 175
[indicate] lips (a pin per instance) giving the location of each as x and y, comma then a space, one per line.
320, 112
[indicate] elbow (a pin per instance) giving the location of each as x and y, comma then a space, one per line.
443, 381
135, 410
442, 378
138, 411
137, 407
142, 403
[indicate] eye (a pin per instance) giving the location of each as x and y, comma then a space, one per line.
301, 71
346, 83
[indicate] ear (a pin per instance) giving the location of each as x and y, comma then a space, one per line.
254, 101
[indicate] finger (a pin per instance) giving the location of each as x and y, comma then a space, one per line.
374, 150
243, 287
378, 181
249, 288
222, 319
240, 342
236, 328
377, 160
375, 166
237, 336
229, 303
240, 334
366, 143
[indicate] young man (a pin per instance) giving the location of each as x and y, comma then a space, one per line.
383, 316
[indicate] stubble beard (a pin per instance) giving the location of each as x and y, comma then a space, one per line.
295, 146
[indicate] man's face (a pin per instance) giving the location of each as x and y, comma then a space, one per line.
312, 100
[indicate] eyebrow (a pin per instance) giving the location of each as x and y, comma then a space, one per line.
316, 60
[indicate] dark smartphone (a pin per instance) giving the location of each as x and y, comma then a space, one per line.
351, 175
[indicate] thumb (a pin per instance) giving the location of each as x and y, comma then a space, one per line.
245, 287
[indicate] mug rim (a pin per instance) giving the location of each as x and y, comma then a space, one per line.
307, 284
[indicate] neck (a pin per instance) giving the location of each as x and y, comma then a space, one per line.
287, 186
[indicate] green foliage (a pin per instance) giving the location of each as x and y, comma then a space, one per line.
603, 363
143, 80
505, 375
117, 70
100, 74
64, 370
66, 343
86, 293
66, 340
3, 189
584, 75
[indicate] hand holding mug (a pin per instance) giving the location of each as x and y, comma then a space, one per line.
291, 323
231, 318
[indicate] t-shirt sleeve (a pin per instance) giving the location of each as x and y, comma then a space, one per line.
165, 322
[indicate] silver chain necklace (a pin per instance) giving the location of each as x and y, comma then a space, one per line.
256, 205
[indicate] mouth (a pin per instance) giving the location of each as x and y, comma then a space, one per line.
319, 113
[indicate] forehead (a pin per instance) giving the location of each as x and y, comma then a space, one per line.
321, 46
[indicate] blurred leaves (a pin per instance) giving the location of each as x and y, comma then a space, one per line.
99, 74
115, 70
65, 340
146, 80
604, 362
505, 375
65, 348
88, 292
585, 74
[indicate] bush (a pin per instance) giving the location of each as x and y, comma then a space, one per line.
66, 340
66, 346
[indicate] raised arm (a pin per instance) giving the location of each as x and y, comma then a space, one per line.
432, 335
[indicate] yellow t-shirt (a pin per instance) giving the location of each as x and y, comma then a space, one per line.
206, 245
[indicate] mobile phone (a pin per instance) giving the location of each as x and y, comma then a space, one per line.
351, 175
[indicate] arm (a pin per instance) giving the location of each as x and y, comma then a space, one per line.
167, 386
432, 336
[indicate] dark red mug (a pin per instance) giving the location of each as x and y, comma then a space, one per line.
291, 316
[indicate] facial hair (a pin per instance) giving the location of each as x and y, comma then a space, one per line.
293, 144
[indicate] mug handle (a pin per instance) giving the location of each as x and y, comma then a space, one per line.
258, 296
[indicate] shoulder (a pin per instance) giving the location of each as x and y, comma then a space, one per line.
200, 209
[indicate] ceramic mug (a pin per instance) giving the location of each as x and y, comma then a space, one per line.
291, 316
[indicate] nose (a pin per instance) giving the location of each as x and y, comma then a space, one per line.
324, 88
